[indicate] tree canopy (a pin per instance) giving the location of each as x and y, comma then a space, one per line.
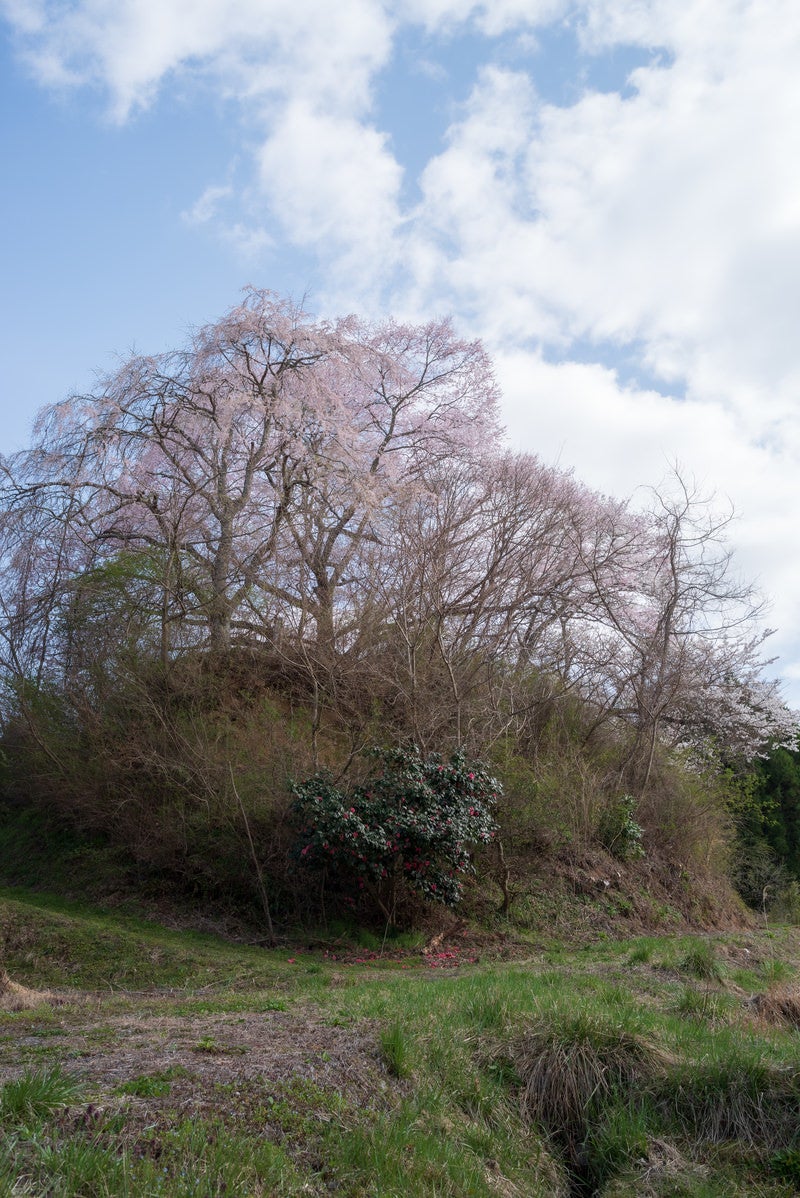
338, 499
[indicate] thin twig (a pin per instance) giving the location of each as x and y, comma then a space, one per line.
262, 888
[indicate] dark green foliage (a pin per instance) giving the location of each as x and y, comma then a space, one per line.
786, 1165
411, 825
767, 813
619, 831
778, 790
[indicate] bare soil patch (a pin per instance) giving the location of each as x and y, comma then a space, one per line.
201, 1052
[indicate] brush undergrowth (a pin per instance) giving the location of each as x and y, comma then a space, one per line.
605, 1071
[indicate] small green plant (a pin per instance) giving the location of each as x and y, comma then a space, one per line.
206, 1044
700, 961
37, 1094
618, 830
786, 1166
395, 1051
640, 954
154, 1085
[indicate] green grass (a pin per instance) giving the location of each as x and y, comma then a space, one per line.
35, 1095
700, 961
622, 1069
48, 941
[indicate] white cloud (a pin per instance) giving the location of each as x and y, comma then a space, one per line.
668, 218
491, 16
206, 206
252, 48
334, 181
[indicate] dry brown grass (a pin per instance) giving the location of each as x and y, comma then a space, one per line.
572, 1067
779, 1006
14, 997
665, 1171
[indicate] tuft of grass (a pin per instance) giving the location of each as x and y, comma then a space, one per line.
395, 1050
574, 1066
488, 1009
665, 1173
37, 1094
702, 1005
700, 961
149, 1085
640, 954
613, 1144
733, 1097
209, 1045
786, 1166
779, 1006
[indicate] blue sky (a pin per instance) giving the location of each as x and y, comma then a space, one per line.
606, 191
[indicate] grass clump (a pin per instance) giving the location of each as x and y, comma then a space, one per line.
37, 1094
580, 1073
395, 1051
786, 1166
700, 961
152, 1085
779, 1006
734, 1097
705, 1006
641, 953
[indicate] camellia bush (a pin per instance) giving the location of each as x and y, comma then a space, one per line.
412, 825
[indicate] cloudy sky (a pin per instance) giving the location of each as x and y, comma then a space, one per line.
606, 191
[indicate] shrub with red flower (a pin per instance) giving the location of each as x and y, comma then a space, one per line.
412, 825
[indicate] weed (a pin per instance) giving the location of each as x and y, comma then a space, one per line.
230, 1004
37, 1094
780, 1006
614, 1143
154, 1085
80, 1166
395, 1050
700, 961
641, 954
786, 1165
774, 970
735, 1097
698, 1004
487, 1009
209, 1045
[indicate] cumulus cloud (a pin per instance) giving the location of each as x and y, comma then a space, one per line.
250, 48
336, 184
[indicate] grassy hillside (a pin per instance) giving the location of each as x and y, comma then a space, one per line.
137, 1060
